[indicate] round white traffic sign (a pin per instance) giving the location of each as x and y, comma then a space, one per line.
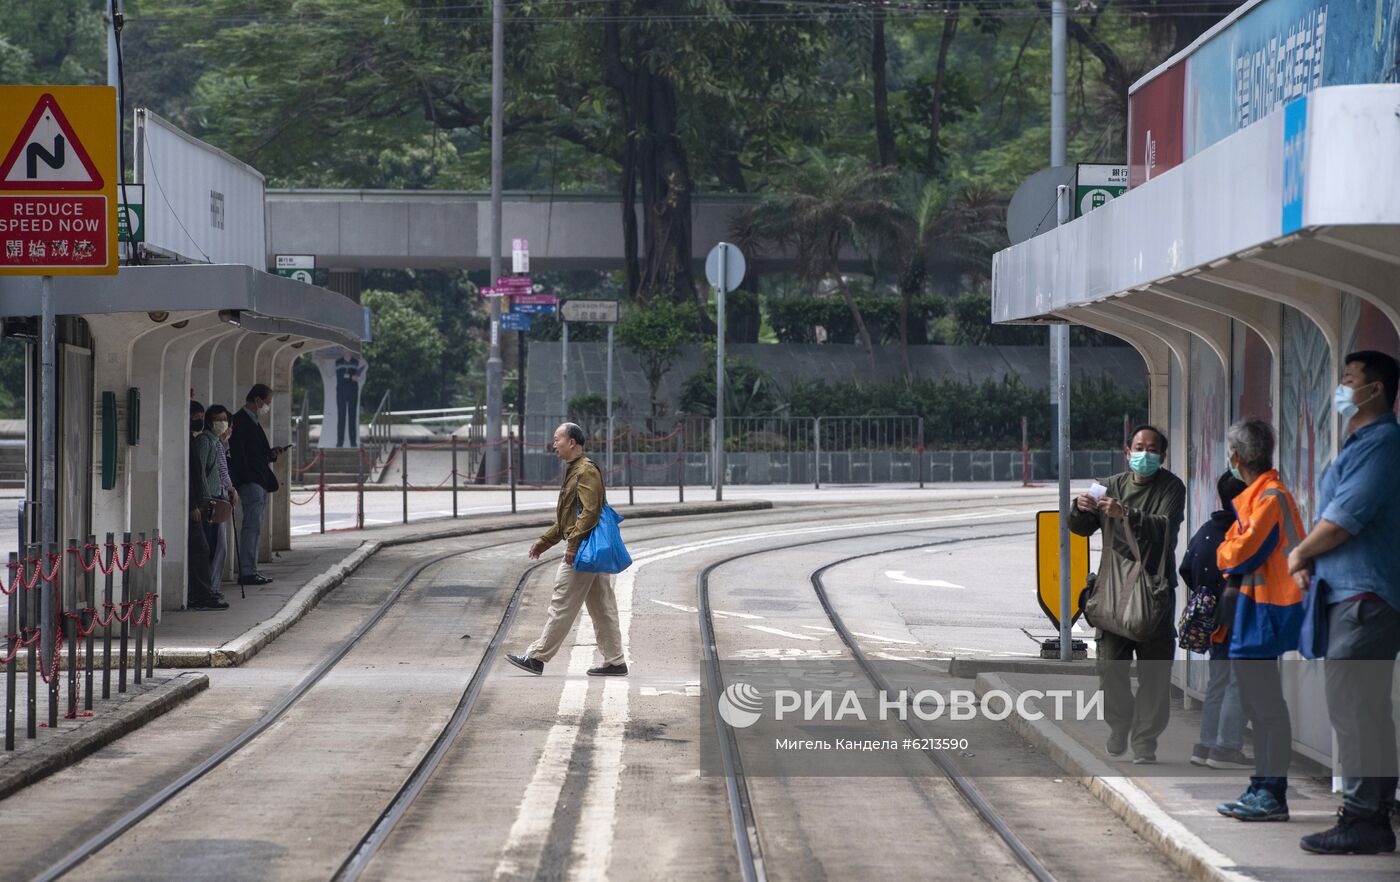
734, 266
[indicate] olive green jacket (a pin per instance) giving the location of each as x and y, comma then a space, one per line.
580, 504
1154, 509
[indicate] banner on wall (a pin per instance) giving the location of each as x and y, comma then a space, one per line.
343, 378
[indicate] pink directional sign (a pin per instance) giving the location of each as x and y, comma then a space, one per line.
514, 282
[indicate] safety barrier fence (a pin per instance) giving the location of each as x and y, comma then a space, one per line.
53, 604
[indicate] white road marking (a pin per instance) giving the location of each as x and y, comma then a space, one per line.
653, 692
780, 632
904, 579
879, 639
719, 613
592, 846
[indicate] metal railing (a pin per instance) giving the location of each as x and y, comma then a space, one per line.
53, 604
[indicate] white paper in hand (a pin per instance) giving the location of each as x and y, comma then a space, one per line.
1097, 490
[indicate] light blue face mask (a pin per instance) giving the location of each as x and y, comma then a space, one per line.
1235, 473
1144, 464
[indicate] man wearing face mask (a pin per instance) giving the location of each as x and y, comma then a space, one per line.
250, 462
1152, 501
1352, 555
204, 475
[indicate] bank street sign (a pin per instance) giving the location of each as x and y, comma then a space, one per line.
300, 267
131, 225
1096, 184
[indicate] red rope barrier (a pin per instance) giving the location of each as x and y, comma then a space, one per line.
306, 468
308, 500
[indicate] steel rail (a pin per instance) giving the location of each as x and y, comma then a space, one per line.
742, 817
379, 832
152, 804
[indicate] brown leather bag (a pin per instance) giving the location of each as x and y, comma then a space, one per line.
214, 510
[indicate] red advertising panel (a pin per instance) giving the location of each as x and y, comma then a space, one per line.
1156, 125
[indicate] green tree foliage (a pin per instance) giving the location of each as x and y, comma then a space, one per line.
54, 42
749, 391
656, 333
407, 349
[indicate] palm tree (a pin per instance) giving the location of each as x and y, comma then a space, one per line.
829, 208
948, 232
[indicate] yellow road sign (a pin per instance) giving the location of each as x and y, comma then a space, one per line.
58, 180
1047, 554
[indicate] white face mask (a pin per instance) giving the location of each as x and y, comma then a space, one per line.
265, 409
219, 427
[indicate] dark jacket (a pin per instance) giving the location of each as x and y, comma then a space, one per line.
1198, 567
249, 453
1155, 510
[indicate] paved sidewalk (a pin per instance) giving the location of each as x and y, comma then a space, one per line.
1172, 804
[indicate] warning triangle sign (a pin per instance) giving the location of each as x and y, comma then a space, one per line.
47, 155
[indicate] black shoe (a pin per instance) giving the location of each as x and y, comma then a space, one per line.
526, 664
208, 604
1117, 744
608, 671
1352, 835
258, 579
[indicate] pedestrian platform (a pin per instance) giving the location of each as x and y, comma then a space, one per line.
1172, 804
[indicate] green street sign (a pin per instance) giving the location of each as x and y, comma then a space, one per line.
301, 267
136, 207
1096, 184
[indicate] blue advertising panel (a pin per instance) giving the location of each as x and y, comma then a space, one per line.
1280, 50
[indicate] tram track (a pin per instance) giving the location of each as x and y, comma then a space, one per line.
749, 846
362, 855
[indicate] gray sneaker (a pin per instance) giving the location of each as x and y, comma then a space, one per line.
1220, 758
608, 671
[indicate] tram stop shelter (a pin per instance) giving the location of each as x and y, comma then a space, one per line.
200, 320
1258, 244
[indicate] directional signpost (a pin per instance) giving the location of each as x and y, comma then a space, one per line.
301, 267
515, 321
58, 216
724, 267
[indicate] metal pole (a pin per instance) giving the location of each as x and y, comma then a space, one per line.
323, 492
610, 399
50, 656
403, 472
138, 600
48, 468
360, 491
110, 551
90, 601
13, 635
454, 476
919, 451
494, 366
70, 602
631, 446
126, 626
27, 619
817, 458
1062, 436
680, 455
510, 467
564, 373
155, 609
719, 371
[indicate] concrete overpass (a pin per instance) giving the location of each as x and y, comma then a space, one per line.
450, 229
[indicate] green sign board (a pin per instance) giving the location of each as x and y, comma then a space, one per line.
1096, 184
136, 208
301, 267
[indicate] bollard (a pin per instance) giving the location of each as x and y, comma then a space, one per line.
90, 602
155, 608
138, 598
454, 476
28, 614
403, 470
110, 551
122, 605
50, 615
322, 458
70, 601
11, 650
1025, 453
360, 490
510, 467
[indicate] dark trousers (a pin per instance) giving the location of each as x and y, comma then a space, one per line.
1363, 639
1143, 716
197, 587
1261, 692
347, 411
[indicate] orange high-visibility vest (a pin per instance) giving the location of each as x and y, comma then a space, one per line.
1269, 613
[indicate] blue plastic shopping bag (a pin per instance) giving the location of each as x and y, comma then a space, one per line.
602, 550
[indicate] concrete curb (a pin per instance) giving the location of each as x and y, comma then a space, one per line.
61, 751
248, 644
1126, 799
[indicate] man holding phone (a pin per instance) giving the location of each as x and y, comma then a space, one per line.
250, 461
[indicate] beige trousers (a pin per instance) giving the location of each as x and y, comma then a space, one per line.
571, 590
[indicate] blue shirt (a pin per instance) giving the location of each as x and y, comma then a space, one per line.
1361, 494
